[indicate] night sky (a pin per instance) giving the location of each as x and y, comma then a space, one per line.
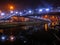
22, 4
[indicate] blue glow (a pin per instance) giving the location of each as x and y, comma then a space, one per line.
40, 10
20, 13
3, 38
16, 12
30, 11
47, 9
2, 14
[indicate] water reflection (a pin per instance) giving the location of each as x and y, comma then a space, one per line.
32, 33
44, 27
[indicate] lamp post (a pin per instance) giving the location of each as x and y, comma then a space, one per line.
11, 10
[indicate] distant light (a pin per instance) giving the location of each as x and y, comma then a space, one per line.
11, 11
53, 16
30, 11
16, 12
3, 38
47, 9
20, 13
25, 41
40, 10
12, 38
46, 16
2, 14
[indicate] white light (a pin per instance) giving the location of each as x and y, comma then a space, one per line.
2, 14
3, 38
40, 10
11, 11
12, 38
47, 9
20, 13
25, 41
30, 11
16, 12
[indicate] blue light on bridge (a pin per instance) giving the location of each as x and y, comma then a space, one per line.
20, 13
40, 10
30, 11
16, 12
2, 14
47, 9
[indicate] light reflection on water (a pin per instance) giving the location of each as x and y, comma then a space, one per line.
34, 28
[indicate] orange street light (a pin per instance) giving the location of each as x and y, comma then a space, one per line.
11, 7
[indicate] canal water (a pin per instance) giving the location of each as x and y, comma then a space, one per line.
36, 34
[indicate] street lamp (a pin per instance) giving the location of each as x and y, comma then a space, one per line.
11, 7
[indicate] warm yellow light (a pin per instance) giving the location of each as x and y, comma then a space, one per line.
11, 7
53, 24
46, 16
46, 27
53, 16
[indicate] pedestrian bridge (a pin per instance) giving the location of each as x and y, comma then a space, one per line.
32, 14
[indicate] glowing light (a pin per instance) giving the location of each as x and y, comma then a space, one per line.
11, 11
40, 10
46, 27
16, 12
53, 23
30, 11
12, 38
2, 14
47, 9
53, 16
25, 41
3, 38
46, 16
20, 13
11, 7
